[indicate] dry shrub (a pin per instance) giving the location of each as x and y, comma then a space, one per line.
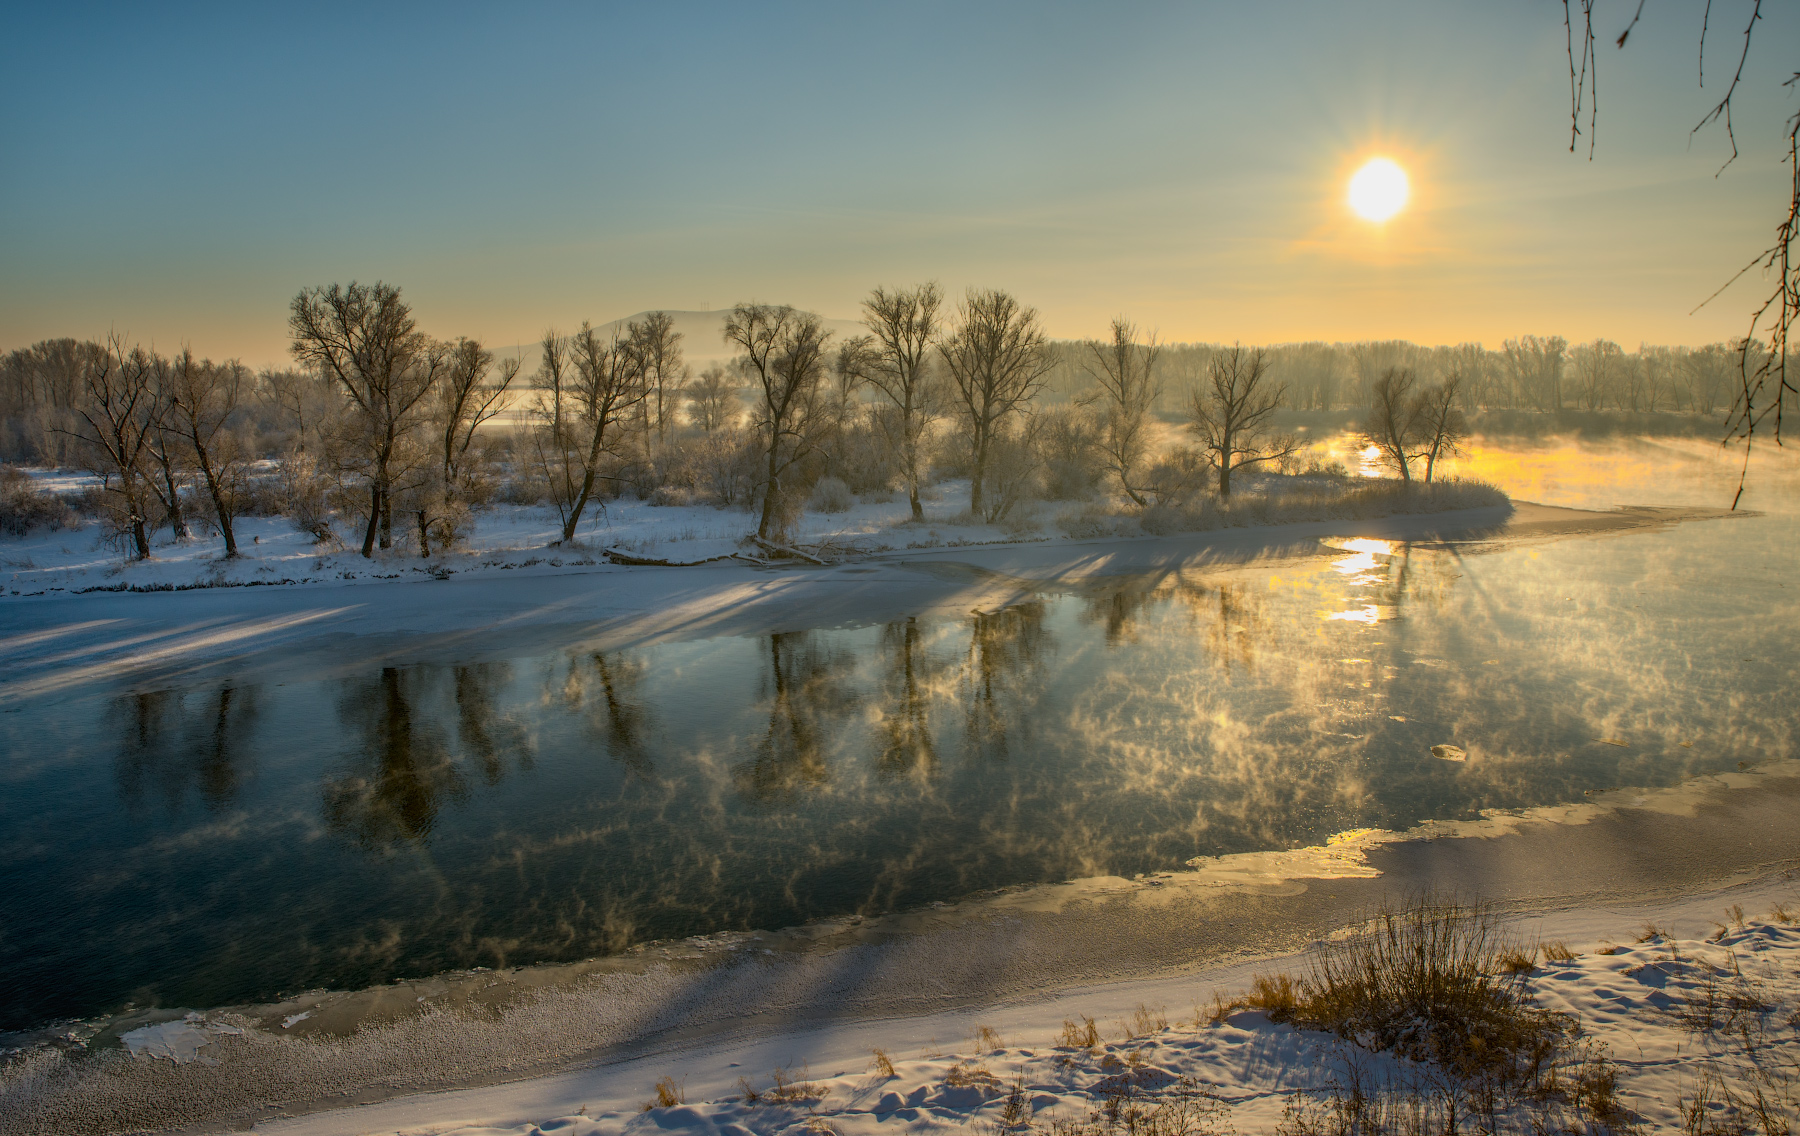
669, 1093
790, 1088
1651, 931
1558, 952
1780, 914
1148, 1021
1518, 961
966, 1073
830, 495
24, 506
1425, 981
987, 1039
1276, 995
884, 1064
1016, 1112
1084, 1036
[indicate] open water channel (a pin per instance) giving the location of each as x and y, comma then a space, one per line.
210, 844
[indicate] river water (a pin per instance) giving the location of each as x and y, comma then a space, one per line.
232, 841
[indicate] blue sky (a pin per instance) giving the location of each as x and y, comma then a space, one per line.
178, 172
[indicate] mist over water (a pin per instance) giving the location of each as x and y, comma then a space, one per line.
209, 845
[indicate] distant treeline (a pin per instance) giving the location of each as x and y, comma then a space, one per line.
387, 436
1542, 375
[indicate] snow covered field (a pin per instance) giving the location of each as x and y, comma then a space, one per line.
511, 537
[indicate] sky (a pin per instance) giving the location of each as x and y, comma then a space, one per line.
176, 173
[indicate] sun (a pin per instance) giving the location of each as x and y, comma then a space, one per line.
1379, 190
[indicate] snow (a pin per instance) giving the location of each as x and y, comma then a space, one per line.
178, 1041
1638, 994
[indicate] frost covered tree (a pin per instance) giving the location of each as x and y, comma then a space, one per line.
119, 410
363, 337
203, 400
1233, 413
1129, 387
1392, 424
998, 359
784, 351
1440, 423
592, 387
903, 328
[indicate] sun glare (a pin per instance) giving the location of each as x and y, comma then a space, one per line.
1379, 190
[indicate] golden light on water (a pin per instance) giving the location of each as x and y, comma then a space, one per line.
1379, 189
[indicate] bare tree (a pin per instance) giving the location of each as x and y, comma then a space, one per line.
203, 398
580, 420
784, 350
1765, 385
1440, 423
465, 399
997, 360
712, 398
1535, 364
1233, 414
1392, 424
167, 454
1129, 387
655, 347
904, 326
363, 337
119, 411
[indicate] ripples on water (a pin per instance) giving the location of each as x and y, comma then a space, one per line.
206, 846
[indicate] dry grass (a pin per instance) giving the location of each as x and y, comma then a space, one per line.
1084, 1036
1558, 952
1651, 931
1016, 1111
669, 1093
787, 1088
1148, 1021
1427, 981
1278, 996
966, 1073
1518, 961
884, 1064
1780, 914
1183, 1109
988, 1039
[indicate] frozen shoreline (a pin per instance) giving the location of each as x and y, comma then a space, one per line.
58, 642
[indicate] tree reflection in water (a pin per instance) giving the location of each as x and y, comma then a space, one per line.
604, 688
173, 741
401, 771
1004, 676
807, 696
483, 730
908, 747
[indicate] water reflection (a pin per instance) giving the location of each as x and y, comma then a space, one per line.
1004, 677
806, 701
400, 770
175, 741
572, 803
909, 744
603, 689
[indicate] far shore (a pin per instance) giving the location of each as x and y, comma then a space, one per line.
57, 642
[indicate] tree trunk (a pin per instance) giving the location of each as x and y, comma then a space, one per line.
177, 523
1225, 466
139, 537
424, 536
771, 492
368, 546
218, 500
977, 476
